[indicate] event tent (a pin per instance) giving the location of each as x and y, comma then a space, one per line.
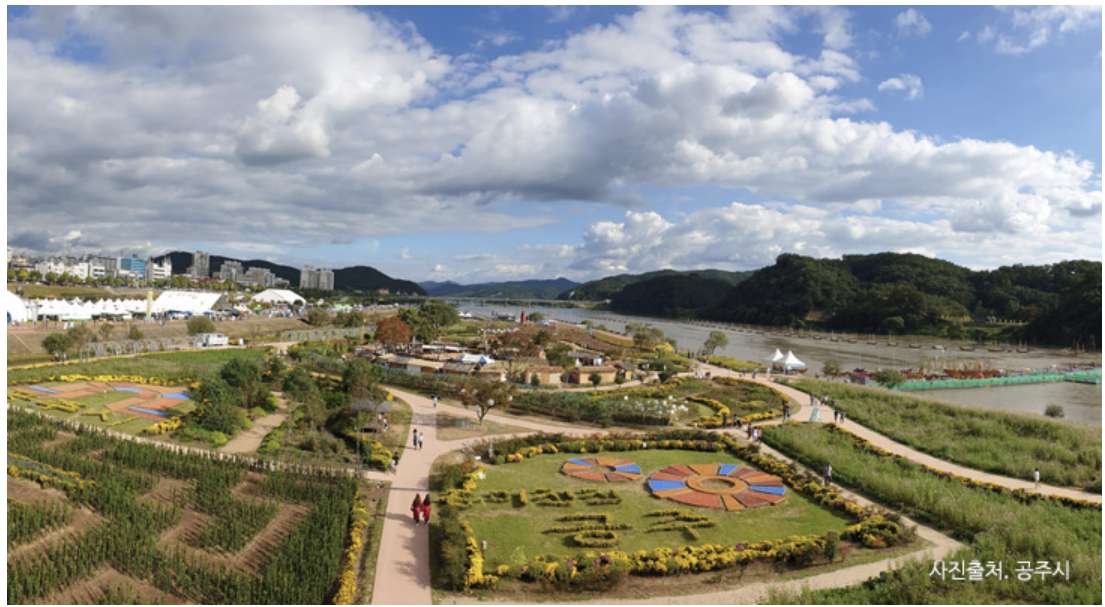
17, 308
187, 302
278, 296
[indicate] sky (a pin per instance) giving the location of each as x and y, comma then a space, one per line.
531, 142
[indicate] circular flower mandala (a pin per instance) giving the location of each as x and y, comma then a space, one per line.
719, 486
605, 469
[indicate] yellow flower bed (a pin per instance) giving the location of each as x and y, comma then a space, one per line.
103, 415
474, 577
347, 579
170, 425
77, 483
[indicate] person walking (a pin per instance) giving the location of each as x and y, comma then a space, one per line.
435, 401
394, 464
1036, 477
426, 510
416, 508
414, 440
421, 440
828, 472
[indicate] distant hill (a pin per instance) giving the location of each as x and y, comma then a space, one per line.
905, 293
607, 288
671, 295
517, 289
354, 278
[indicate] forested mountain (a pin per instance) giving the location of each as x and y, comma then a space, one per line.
672, 295
516, 289
907, 293
606, 288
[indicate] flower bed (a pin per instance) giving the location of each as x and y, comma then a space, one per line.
585, 469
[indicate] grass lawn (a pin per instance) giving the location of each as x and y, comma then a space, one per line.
1011, 444
104, 398
449, 430
134, 426
209, 356
512, 531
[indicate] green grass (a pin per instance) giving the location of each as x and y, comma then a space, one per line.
133, 426
145, 366
507, 528
997, 527
104, 398
1010, 444
34, 291
209, 356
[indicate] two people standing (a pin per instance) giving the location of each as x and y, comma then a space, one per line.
420, 508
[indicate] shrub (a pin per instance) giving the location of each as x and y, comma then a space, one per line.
1055, 411
200, 324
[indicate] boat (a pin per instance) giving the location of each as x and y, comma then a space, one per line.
915, 346
967, 348
938, 347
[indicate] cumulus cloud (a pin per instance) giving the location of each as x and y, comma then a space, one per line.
904, 82
912, 24
300, 126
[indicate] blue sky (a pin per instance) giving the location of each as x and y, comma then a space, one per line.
508, 143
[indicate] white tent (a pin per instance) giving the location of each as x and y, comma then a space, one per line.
778, 356
188, 302
17, 308
792, 362
474, 358
278, 296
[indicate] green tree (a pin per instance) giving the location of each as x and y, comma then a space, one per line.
955, 330
557, 355
542, 338
888, 377
80, 335
487, 395
717, 339
105, 331
244, 375
644, 336
536, 317
831, 367
134, 333
57, 343
318, 317
440, 314
360, 378
217, 410
595, 379
200, 324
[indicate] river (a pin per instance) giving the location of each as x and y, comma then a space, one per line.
1081, 402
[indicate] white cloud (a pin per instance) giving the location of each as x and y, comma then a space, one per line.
904, 82
911, 23
296, 127
1021, 30
966, 35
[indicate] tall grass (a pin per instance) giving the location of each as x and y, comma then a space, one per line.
998, 528
1011, 444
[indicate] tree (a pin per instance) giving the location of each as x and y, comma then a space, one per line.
392, 331
360, 378
888, 377
245, 376
217, 410
440, 314
831, 368
134, 333
558, 356
200, 324
955, 330
105, 331
317, 317
487, 395
542, 338
717, 339
536, 317
57, 343
644, 337
595, 378
81, 335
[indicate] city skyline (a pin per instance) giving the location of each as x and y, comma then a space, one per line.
512, 143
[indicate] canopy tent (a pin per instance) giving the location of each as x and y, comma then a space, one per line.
778, 356
186, 302
17, 308
474, 358
278, 296
792, 362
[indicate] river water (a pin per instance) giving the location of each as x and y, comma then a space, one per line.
1081, 402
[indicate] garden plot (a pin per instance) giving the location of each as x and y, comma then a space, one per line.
515, 532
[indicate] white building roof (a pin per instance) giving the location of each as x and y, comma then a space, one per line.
278, 296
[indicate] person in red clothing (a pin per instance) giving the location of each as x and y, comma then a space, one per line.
426, 510
416, 508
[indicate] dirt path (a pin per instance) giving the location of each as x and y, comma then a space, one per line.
247, 441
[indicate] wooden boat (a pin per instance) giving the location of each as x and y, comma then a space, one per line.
915, 346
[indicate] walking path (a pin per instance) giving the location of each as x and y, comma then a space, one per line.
248, 441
